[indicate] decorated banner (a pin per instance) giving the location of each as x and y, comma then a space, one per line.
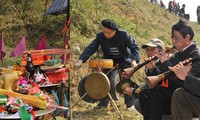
42, 43
21, 46
2, 48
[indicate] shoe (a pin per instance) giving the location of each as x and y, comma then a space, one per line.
98, 107
131, 108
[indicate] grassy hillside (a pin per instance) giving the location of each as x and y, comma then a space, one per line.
140, 18
26, 17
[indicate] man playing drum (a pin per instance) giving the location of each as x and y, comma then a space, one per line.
117, 45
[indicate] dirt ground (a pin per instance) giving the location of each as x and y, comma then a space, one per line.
84, 111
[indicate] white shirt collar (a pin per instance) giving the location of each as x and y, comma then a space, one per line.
186, 47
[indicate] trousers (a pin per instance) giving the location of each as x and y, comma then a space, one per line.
184, 105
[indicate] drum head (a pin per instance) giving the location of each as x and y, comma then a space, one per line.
97, 85
125, 83
82, 91
114, 78
102, 63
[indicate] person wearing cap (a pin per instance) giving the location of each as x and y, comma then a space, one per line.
160, 98
117, 45
152, 48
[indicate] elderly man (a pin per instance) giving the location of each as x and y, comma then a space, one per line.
152, 48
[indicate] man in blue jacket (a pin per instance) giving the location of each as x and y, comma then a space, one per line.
117, 45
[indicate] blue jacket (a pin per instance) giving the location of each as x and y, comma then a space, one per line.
128, 48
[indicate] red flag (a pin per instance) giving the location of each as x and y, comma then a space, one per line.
64, 30
21, 46
42, 43
2, 48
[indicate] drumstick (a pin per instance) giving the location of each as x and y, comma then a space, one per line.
58, 107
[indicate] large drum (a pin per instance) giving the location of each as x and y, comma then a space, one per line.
82, 91
97, 85
102, 63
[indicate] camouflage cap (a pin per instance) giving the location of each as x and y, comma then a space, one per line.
154, 43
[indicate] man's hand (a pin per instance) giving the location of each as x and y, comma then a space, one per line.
128, 91
162, 56
78, 64
133, 63
151, 65
180, 70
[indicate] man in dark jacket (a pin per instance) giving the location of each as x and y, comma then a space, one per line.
186, 99
117, 45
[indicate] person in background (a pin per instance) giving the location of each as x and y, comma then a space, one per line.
162, 4
198, 14
186, 99
117, 45
182, 11
170, 6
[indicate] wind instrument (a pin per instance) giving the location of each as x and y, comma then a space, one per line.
130, 71
152, 81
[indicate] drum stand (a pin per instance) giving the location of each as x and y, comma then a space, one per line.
111, 100
91, 92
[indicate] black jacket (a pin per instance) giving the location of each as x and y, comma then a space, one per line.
192, 82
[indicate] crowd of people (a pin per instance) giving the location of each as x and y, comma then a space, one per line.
177, 95
174, 8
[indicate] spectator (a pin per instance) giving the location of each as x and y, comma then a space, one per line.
198, 14
182, 11
170, 6
162, 4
